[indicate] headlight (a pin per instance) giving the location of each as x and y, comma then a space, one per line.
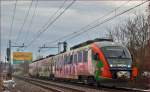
129, 66
111, 65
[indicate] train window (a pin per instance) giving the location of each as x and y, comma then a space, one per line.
55, 65
115, 52
65, 60
68, 59
96, 56
55, 59
52, 62
80, 56
75, 60
93, 55
85, 56
62, 61
59, 59
71, 59
58, 62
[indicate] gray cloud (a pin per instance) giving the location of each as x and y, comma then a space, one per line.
79, 15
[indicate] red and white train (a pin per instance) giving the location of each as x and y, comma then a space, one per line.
92, 60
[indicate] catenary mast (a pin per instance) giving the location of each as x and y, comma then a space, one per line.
149, 20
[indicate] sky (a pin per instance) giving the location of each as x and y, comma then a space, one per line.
74, 19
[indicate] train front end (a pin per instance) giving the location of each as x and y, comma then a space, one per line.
116, 61
119, 61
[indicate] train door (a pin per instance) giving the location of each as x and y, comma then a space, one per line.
91, 64
67, 66
71, 65
51, 68
80, 66
85, 61
75, 64
54, 66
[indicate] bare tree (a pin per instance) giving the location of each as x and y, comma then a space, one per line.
133, 34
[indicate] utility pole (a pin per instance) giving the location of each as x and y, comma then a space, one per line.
0, 37
149, 22
9, 75
9, 56
9, 50
64, 46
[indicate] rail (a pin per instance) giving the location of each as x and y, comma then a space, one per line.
57, 86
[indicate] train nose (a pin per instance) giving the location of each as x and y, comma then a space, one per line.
123, 74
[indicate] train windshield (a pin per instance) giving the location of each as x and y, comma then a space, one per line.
118, 52
117, 56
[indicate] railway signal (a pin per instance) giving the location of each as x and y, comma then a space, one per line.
8, 54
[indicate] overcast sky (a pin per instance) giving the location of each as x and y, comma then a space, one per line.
80, 14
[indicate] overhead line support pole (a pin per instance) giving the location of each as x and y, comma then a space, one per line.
9, 56
149, 21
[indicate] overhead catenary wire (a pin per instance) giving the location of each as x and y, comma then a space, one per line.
99, 24
12, 22
0, 36
31, 21
51, 17
24, 21
50, 24
88, 25
106, 20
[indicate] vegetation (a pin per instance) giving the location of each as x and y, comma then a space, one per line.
0, 85
135, 35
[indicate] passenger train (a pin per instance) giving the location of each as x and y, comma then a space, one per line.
94, 60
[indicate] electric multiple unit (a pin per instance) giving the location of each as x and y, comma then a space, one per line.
92, 60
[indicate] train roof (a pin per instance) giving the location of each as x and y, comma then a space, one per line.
106, 43
90, 42
99, 42
43, 58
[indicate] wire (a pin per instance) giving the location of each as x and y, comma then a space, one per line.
24, 21
50, 24
0, 37
12, 22
31, 21
51, 17
114, 10
106, 20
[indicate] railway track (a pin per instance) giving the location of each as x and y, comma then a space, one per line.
109, 88
57, 86
53, 87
